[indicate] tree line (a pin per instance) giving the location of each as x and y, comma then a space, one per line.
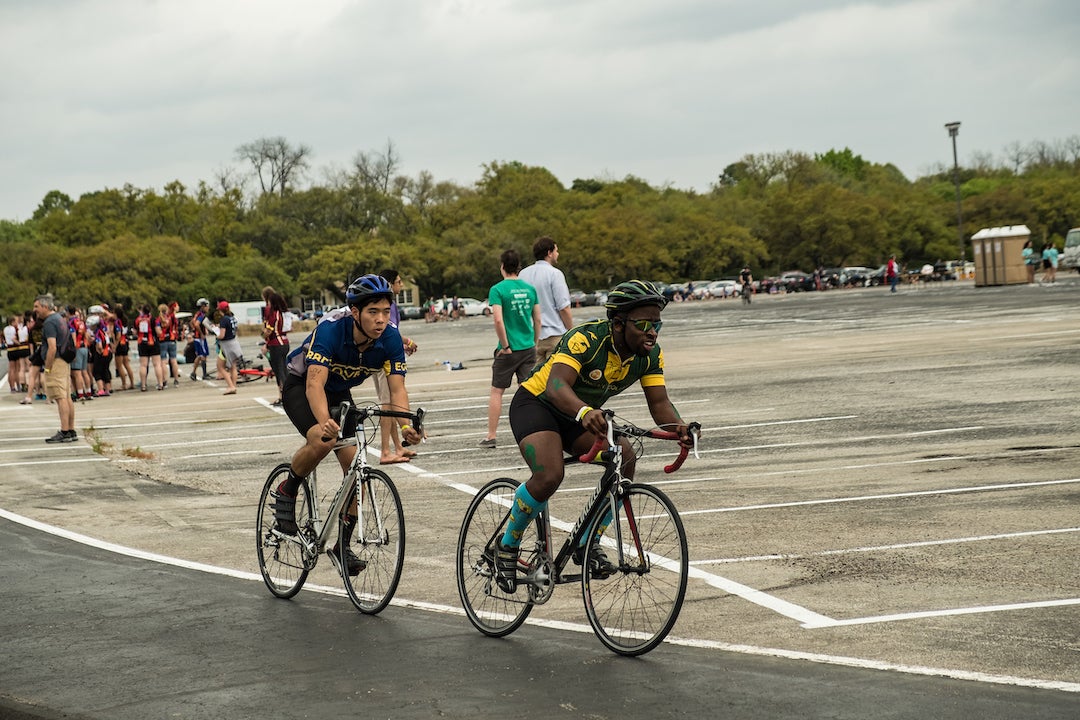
264, 224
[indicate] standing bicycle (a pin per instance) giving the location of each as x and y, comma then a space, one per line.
633, 602
556, 410
348, 345
366, 511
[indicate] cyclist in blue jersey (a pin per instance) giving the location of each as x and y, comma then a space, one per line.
346, 347
557, 409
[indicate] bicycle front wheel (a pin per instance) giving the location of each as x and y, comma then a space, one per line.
378, 541
632, 610
282, 561
491, 610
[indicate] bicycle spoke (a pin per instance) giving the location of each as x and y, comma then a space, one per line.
633, 610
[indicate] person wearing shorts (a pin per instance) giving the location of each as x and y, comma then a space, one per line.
388, 429
170, 334
54, 334
557, 409
346, 347
515, 307
82, 385
17, 339
148, 333
200, 327
229, 352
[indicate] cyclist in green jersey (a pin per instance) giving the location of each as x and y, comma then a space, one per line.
557, 409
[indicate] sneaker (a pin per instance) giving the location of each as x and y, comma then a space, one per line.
192, 376
506, 564
284, 510
176, 382
600, 566
355, 564
59, 437
487, 443
71, 435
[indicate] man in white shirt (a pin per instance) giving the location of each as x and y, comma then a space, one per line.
553, 294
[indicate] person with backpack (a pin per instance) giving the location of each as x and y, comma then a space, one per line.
56, 340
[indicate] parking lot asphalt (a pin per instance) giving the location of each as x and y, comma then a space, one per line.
887, 486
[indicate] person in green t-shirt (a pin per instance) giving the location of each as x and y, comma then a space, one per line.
514, 306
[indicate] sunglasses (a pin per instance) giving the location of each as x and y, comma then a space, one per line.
646, 325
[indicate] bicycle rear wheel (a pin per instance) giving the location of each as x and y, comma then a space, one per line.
379, 541
490, 610
633, 610
282, 560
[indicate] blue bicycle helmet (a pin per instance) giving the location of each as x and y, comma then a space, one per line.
368, 289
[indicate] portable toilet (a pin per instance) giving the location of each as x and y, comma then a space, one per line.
998, 253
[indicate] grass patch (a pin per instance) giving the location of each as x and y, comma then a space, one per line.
138, 453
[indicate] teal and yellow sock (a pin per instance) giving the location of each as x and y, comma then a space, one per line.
523, 511
599, 528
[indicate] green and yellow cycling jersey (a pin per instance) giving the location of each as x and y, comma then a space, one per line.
589, 349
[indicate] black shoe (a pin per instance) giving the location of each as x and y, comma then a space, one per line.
600, 566
59, 437
71, 435
506, 564
354, 564
284, 510
192, 376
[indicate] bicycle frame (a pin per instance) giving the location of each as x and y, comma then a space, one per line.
605, 497
348, 415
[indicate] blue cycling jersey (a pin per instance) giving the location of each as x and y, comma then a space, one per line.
331, 345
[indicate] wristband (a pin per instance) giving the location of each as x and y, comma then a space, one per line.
585, 409
48, 370
404, 427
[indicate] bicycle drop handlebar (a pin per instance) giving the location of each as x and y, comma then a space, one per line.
340, 414
630, 430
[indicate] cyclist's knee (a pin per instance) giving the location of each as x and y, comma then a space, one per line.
543, 483
629, 459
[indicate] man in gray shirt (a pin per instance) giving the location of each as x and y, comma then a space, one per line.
54, 332
553, 294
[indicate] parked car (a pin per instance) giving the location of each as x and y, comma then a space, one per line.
580, 298
796, 281
723, 288
856, 276
411, 312
876, 277
470, 306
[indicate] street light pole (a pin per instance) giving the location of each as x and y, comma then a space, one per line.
954, 129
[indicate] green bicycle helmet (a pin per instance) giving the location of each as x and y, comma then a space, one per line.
631, 294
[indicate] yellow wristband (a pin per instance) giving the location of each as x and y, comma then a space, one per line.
48, 370
404, 427
585, 409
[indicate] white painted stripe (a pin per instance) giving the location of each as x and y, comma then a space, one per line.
942, 613
880, 548
92, 458
889, 496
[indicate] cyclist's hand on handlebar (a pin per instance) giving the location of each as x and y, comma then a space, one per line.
686, 439
594, 422
329, 430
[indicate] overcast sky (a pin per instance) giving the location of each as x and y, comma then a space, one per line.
98, 93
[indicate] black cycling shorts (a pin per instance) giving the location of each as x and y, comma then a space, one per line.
529, 414
295, 403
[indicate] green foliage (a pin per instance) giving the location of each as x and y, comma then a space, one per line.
772, 211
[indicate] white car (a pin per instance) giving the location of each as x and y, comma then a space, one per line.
470, 306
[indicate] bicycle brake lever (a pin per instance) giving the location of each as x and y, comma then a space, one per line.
695, 432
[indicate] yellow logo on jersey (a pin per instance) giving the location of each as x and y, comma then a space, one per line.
577, 343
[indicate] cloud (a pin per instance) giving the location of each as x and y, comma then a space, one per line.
98, 94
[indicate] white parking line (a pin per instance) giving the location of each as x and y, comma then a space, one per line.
882, 548
886, 496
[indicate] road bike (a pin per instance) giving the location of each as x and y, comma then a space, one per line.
747, 293
377, 537
632, 609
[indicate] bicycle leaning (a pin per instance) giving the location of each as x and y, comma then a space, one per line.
377, 537
632, 608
